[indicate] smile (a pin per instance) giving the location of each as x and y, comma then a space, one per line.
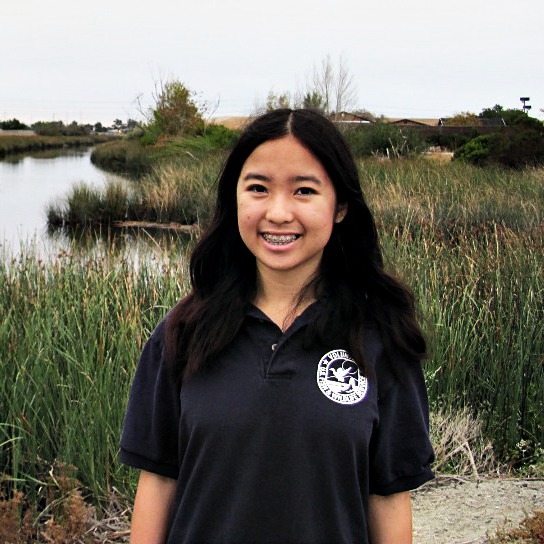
280, 239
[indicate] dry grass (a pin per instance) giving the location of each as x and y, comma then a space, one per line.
66, 517
459, 445
530, 531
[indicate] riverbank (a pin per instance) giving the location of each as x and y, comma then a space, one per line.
11, 143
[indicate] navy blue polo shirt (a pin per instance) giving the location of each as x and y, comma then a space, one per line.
275, 442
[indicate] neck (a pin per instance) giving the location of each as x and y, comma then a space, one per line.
279, 297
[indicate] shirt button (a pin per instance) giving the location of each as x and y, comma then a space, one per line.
274, 347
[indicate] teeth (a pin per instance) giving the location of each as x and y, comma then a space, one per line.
280, 239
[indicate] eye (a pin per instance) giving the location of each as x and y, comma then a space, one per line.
257, 188
305, 191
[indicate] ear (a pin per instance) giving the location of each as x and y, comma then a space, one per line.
341, 212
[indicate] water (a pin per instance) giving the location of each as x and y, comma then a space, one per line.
29, 183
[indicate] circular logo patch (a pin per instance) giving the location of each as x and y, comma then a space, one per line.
339, 378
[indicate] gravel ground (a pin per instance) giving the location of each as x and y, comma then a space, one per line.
458, 511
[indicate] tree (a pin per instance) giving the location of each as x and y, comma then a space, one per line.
518, 144
332, 87
463, 119
13, 124
274, 101
511, 117
175, 112
313, 101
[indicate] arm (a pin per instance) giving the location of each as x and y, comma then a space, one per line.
154, 498
390, 518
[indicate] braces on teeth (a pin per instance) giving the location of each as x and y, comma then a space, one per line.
279, 239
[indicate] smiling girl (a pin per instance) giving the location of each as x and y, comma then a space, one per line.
282, 400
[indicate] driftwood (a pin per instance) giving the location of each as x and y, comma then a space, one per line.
151, 225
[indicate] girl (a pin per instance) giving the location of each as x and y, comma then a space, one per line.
283, 399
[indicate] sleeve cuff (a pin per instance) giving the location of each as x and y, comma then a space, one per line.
400, 485
137, 461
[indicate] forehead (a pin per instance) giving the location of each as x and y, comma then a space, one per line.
283, 153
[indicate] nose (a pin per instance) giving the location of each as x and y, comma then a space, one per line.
279, 210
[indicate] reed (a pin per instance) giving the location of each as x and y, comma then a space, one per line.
470, 243
174, 191
482, 297
70, 335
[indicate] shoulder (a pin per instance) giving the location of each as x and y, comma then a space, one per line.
391, 367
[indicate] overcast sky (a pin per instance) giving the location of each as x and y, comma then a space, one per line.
92, 61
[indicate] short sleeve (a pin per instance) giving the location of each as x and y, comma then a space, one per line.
400, 451
149, 439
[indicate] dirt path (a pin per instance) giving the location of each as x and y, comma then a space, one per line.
455, 511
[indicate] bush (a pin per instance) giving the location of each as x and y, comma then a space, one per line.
122, 156
381, 139
13, 124
475, 151
176, 112
513, 147
220, 137
58, 128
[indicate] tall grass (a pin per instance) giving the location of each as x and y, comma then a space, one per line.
483, 301
174, 191
70, 335
470, 243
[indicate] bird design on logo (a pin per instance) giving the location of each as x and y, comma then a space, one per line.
341, 374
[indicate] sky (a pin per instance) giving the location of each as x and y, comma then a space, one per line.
67, 60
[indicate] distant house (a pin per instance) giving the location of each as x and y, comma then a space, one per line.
406, 122
353, 117
473, 122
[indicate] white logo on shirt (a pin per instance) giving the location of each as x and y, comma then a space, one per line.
339, 378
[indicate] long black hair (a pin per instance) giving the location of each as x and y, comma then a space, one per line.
352, 285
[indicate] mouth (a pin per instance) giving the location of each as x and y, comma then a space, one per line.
280, 239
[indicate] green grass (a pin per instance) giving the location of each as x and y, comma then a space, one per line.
469, 241
174, 191
70, 335
11, 144
483, 300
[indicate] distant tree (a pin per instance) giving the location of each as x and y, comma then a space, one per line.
117, 124
334, 86
75, 129
463, 119
274, 101
511, 117
58, 128
313, 100
13, 124
99, 128
131, 124
520, 143
48, 128
176, 112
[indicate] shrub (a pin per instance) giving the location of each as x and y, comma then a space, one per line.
475, 151
513, 147
13, 124
176, 112
381, 139
125, 156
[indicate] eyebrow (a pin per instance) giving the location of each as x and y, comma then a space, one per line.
296, 179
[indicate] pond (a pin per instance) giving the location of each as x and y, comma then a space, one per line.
29, 183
